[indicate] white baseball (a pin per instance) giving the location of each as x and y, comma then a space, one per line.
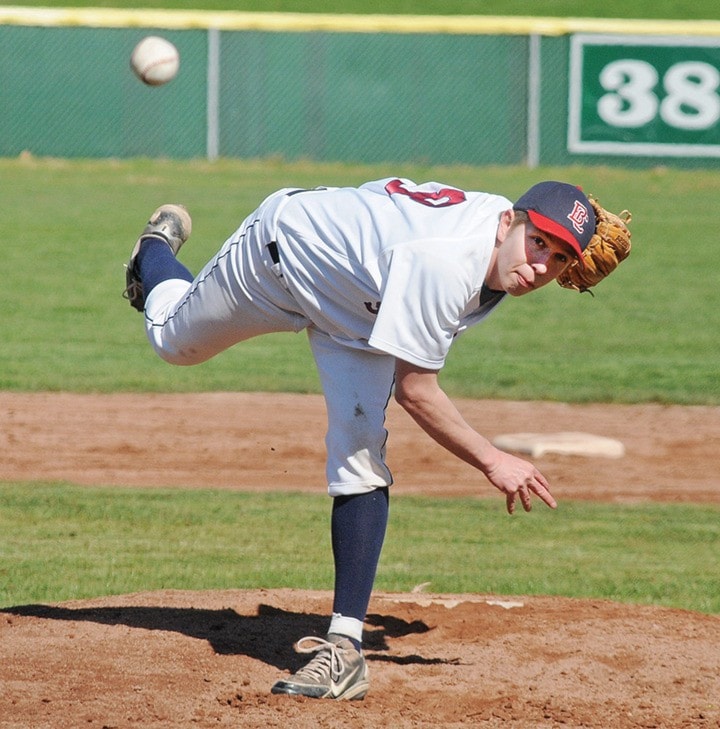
155, 60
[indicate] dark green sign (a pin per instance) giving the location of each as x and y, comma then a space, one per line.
644, 96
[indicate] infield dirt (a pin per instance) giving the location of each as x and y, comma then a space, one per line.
208, 659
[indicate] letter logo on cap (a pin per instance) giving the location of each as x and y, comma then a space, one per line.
578, 217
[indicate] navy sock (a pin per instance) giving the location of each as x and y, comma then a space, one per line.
156, 263
358, 531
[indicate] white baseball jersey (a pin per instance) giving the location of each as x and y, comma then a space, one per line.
391, 265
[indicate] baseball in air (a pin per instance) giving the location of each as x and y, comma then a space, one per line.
155, 60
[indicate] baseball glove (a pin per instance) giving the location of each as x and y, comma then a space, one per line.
607, 248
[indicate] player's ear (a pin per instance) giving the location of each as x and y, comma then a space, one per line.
506, 219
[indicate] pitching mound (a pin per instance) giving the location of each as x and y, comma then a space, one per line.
181, 659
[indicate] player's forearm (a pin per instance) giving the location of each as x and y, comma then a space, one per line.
435, 413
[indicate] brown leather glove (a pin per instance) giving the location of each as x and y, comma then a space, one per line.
609, 246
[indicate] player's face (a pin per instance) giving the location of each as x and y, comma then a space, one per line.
527, 257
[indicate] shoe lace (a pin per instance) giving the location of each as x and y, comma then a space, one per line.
133, 291
328, 658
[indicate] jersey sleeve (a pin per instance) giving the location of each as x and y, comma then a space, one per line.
424, 297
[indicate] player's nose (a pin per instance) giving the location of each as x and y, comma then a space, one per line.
540, 261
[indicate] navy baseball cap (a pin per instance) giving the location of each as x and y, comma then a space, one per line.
561, 210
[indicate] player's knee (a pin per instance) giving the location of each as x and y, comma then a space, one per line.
181, 357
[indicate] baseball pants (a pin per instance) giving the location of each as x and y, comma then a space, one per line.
239, 294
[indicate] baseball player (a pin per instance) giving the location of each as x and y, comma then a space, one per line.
382, 278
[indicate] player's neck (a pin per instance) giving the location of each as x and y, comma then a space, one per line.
492, 278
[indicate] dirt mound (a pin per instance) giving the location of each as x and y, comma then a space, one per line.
179, 659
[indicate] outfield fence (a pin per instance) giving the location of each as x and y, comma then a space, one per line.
442, 90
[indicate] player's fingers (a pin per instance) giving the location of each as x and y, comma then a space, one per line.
542, 481
542, 489
510, 503
525, 498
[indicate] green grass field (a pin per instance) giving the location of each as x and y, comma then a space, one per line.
652, 333
649, 334
62, 542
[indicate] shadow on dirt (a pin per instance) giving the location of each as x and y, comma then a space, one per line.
267, 636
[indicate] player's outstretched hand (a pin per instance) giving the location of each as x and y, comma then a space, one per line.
518, 478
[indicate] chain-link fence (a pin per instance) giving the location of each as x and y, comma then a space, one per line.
324, 96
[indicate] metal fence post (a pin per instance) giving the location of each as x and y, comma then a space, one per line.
213, 94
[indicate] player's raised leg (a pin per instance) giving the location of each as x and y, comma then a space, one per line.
237, 294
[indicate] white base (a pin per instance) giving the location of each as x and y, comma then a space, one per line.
573, 444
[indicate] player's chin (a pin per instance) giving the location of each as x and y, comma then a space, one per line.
520, 287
